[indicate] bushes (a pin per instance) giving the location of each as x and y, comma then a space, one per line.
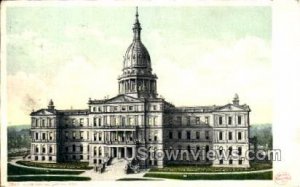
67, 165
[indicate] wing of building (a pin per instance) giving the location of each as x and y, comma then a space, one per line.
137, 122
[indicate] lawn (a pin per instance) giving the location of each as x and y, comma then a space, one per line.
243, 176
15, 170
47, 178
201, 168
66, 165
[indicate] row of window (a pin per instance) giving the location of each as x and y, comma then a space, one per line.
43, 150
43, 158
189, 120
43, 136
74, 148
188, 135
113, 120
44, 122
230, 135
121, 108
229, 120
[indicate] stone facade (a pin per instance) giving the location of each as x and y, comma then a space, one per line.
137, 118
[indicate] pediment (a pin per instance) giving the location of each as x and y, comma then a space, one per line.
122, 98
230, 108
43, 112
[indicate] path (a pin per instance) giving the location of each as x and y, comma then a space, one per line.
113, 172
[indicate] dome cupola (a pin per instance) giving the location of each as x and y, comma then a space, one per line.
137, 79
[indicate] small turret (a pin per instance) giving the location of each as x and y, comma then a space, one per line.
51, 105
236, 100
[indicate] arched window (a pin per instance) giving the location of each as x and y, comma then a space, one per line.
44, 149
36, 149
50, 149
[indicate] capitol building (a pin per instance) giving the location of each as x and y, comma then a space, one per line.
137, 118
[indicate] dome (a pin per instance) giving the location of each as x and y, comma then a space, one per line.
137, 56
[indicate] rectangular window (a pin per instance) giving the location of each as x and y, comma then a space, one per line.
104, 120
206, 120
229, 135
50, 136
170, 135
81, 135
188, 135
74, 135
230, 162
81, 122
123, 108
43, 136
179, 134
179, 120
220, 120
220, 136
188, 120
130, 108
239, 135
197, 120
73, 121
154, 121
239, 120
240, 162
95, 122
207, 135
197, 135
229, 120
36, 136
154, 107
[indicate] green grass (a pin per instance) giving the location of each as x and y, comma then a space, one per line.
247, 176
137, 179
206, 168
15, 170
48, 178
66, 165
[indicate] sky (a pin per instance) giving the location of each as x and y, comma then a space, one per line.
201, 55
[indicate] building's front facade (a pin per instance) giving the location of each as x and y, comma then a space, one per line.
137, 119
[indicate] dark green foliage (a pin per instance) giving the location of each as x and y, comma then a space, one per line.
18, 140
248, 176
263, 134
66, 165
15, 170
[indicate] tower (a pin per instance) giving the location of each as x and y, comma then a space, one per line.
137, 79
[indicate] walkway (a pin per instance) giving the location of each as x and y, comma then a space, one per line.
113, 172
